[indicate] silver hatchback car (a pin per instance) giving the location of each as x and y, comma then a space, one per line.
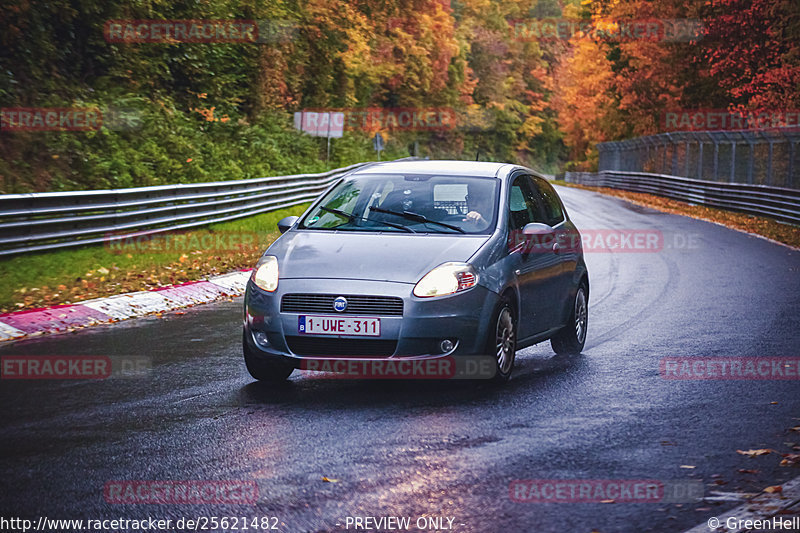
416, 260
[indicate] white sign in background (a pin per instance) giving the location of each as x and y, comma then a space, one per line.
320, 124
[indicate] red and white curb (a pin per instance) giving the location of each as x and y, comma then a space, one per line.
60, 318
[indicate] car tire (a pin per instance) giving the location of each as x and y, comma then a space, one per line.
571, 338
502, 340
262, 368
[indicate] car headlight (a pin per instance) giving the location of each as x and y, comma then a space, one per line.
266, 273
447, 278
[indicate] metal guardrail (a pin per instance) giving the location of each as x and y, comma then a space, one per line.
775, 202
755, 157
45, 221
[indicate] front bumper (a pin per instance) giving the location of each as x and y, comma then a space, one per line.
425, 322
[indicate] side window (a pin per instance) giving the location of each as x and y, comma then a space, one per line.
551, 205
522, 204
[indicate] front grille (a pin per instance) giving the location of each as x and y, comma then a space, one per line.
356, 305
343, 347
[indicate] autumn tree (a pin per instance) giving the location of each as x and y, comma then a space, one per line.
753, 52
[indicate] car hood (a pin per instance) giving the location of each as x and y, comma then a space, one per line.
395, 257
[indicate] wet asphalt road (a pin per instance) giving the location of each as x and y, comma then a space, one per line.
436, 449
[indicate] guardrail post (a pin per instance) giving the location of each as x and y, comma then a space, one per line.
750, 161
674, 147
732, 178
602, 156
699, 159
115, 221
769, 161
687, 154
716, 160
640, 154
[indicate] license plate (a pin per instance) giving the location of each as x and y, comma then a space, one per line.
335, 325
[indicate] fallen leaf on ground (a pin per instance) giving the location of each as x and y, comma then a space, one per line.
748, 471
329, 480
688, 466
774, 489
791, 459
754, 453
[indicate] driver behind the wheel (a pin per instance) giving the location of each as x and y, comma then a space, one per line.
479, 207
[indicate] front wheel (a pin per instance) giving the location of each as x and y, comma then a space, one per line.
502, 341
261, 368
571, 338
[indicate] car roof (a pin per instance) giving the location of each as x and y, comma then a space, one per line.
439, 167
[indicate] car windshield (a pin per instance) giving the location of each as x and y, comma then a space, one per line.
408, 203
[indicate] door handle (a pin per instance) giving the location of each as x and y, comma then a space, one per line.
556, 248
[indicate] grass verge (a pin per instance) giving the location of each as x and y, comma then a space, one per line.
72, 275
766, 227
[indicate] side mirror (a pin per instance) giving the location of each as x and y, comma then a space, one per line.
285, 223
539, 229
537, 238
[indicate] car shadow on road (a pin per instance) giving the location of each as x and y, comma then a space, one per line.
335, 391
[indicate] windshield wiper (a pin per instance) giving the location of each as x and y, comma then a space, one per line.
416, 217
351, 217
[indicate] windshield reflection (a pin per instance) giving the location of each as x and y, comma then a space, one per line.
408, 203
